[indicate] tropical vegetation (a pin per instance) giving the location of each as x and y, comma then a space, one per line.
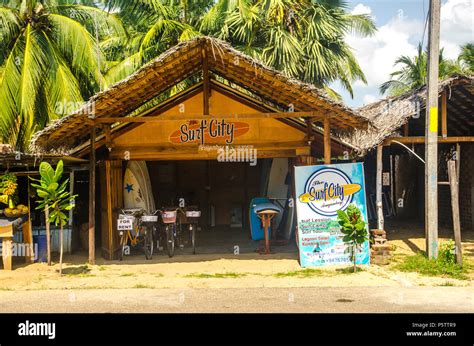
55, 54
54, 200
412, 72
50, 61
354, 229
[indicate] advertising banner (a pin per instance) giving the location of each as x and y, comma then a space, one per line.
320, 192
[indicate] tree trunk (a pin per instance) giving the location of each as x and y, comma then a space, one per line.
61, 250
354, 253
48, 234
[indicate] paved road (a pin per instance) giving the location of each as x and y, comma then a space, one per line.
317, 299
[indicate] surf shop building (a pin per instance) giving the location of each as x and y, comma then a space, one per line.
204, 123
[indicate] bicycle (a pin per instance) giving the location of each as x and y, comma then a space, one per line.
171, 222
192, 215
149, 222
132, 229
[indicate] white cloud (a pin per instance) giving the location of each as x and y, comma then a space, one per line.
400, 36
361, 9
377, 54
457, 26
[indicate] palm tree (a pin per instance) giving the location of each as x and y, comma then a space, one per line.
49, 61
153, 26
466, 58
413, 71
302, 38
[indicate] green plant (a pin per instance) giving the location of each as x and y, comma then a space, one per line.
433, 267
354, 229
54, 196
447, 252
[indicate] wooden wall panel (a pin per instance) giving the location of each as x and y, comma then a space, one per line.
111, 185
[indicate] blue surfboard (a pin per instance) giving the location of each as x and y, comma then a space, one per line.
256, 228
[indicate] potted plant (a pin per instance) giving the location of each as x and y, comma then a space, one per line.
354, 229
55, 200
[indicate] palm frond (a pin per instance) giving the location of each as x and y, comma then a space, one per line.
77, 46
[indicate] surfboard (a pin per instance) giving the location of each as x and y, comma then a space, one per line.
288, 222
137, 187
265, 175
277, 185
256, 229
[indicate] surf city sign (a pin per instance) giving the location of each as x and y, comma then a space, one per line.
209, 131
328, 191
322, 191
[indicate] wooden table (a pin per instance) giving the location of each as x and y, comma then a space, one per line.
8, 226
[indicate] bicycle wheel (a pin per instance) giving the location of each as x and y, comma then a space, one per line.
148, 243
170, 239
193, 238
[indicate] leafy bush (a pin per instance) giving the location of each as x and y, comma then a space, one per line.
354, 230
447, 252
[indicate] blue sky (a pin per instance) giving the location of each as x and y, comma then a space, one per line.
400, 27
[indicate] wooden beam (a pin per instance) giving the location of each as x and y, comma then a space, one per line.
173, 148
444, 116
92, 198
454, 184
378, 203
327, 141
272, 115
108, 137
421, 140
261, 154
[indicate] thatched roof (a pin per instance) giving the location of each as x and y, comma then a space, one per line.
181, 62
390, 114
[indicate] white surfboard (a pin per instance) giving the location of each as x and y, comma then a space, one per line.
137, 187
276, 184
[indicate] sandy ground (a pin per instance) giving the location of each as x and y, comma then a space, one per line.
247, 270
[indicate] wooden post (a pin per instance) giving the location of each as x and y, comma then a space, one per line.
309, 140
392, 185
110, 221
406, 130
48, 233
28, 238
71, 191
454, 185
379, 204
92, 198
205, 76
327, 141
431, 134
458, 159
444, 115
